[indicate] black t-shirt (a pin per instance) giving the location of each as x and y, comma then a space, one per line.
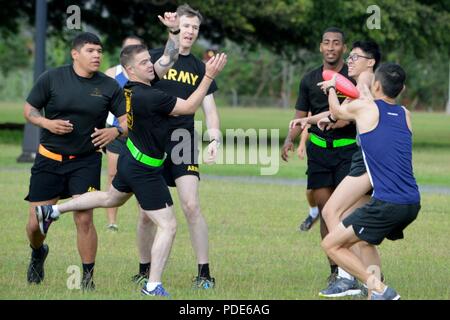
148, 117
84, 101
311, 98
181, 81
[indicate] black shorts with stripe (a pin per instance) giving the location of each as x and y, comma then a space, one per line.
379, 219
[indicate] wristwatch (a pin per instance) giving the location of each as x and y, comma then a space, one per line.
174, 32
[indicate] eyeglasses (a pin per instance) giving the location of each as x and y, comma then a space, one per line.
355, 57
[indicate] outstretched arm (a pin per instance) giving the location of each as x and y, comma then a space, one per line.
213, 67
171, 51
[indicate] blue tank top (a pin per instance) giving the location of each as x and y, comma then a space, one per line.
121, 79
387, 153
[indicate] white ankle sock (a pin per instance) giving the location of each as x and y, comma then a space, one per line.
55, 214
314, 212
152, 285
344, 274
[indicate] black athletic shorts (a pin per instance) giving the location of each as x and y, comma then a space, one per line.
51, 179
116, 146
327, 167
358, 167
182, 159
379, 219
146, 182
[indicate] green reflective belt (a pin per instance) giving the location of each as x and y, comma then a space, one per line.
142, 157
321, 142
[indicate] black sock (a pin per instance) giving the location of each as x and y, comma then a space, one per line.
203, 270
144, 268
37, 253
334, 268
88, 270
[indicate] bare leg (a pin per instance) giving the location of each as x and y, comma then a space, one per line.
321, 197
310, 198
86, 235
112, 170
336, 246
166, 228
96, 199
146, 231
347, 193
187, 187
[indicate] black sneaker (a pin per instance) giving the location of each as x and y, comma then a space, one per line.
87, 283
140, 279
35, 272
44, 217
308, 223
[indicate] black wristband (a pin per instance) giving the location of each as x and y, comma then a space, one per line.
328, 89
174, 32
331, 119
120, 130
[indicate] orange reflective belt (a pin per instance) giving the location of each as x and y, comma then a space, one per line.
51, 155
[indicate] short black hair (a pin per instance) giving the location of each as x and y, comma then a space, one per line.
133, 37
371, 49
186, 10
86, 37
127, 54
392, 78
335, 30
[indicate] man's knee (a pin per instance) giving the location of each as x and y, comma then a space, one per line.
328, 246
191, 209
84, 220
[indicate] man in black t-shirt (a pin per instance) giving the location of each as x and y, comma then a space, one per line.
76, 100
329, 152
181, 168
139, 169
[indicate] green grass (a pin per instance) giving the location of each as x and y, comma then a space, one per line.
431, 165
430, 129
256, 252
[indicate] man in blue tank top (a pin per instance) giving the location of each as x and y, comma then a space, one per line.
386, 142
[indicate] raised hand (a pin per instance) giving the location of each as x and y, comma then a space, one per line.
170, 20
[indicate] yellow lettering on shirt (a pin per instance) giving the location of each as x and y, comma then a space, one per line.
192, 168
172, 75
184, 77
194, 78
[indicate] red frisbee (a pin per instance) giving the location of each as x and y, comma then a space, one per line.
343, 85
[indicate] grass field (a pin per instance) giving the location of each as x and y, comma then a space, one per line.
255, 249
256, 252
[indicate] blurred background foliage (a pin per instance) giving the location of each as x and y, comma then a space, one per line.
270, 43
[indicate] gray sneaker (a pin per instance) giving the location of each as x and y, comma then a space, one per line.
388, 294
340, 288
